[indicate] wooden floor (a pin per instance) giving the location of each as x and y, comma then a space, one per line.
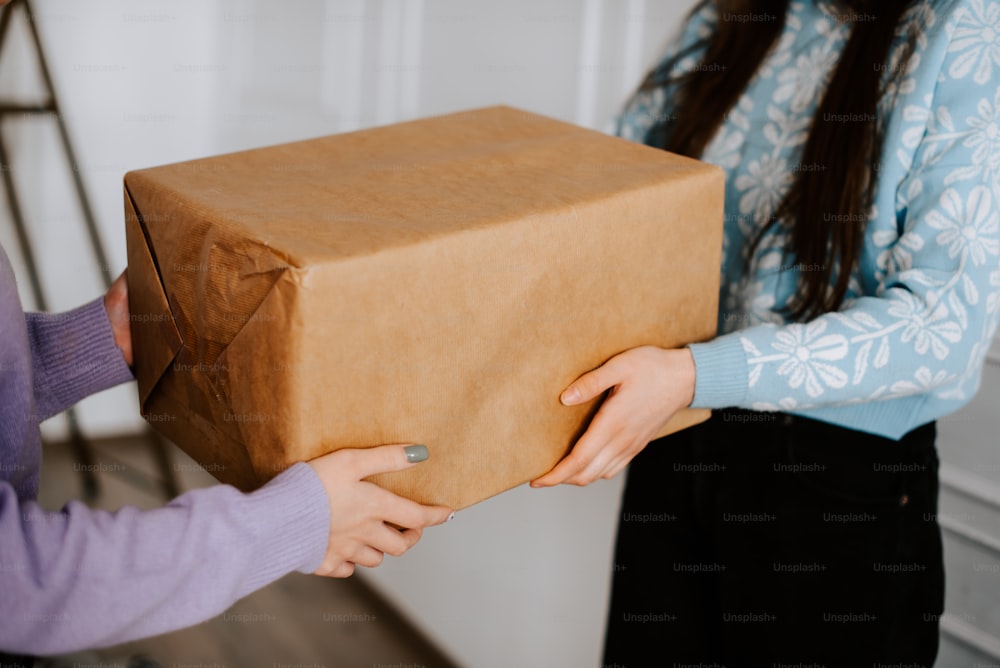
300, 621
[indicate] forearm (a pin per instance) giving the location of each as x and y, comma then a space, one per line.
82, 578
901, 344
73, 356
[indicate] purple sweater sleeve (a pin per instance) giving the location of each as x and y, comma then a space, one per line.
73, 356
84, 578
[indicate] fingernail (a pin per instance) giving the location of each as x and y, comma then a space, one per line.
416, 453
570, 395
450, 518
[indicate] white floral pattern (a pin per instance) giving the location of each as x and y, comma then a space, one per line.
763, 185
927, 330
924, 302
808, 357
993, 301
923, 380
899, 257
799, 85
985, 134
967, 229
976, 42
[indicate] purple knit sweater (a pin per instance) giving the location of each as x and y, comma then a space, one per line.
79, 578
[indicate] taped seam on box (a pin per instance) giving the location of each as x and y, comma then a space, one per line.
134, 209
155, 337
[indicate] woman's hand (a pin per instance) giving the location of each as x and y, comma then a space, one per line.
648, 385
116, 304
361, 512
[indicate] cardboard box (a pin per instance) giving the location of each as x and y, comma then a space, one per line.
438, 282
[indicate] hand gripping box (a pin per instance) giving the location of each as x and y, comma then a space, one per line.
437, 281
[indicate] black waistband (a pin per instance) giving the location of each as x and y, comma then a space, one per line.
765, 419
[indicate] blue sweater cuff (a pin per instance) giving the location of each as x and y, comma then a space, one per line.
720, 372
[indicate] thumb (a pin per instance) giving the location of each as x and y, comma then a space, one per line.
591, 384
386, 458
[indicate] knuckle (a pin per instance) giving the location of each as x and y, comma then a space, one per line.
344, 570
348, 457
589, 383
397, 550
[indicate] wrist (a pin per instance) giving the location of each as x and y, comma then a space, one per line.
116, 308
688, 375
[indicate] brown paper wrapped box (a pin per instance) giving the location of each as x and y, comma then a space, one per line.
437, 282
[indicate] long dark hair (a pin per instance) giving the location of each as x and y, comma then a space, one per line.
827, 209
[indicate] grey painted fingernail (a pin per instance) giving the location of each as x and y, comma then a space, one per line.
450, 517
416, 453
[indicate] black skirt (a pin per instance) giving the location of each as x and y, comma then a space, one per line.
763, 539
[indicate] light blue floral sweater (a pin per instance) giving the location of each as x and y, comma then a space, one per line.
908, 345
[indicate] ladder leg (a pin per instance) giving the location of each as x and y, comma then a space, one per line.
96, 246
